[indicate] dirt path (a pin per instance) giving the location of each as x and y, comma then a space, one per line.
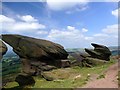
110, 80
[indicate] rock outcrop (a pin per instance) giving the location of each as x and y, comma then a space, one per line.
3, 49
90, 62
97, 56
37, 53
99, 52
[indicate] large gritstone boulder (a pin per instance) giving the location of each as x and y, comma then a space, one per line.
97, 56
35, 48
99, 52
3, 49
36, 53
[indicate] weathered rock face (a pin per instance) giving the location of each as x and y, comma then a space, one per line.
35, 48
36, 53
99, 52
3, 49
90, 62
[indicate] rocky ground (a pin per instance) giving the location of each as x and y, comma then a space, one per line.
73, 77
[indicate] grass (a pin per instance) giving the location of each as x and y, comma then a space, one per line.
101, 76
66, 77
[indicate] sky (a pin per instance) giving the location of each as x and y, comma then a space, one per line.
71, 24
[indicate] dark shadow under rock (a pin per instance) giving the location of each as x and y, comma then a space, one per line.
25, 80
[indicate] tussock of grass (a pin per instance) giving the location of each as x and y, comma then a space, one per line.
101, 76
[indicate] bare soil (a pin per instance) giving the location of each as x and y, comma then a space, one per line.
110, 80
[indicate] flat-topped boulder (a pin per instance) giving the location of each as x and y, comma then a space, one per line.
35, 48
3, 49
100, 51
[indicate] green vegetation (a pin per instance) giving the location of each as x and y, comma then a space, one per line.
11, 67
67, 77
101, 76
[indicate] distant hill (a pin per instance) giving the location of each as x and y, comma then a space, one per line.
75, 50
114, 49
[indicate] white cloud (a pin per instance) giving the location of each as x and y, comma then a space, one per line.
11, 25
115, 12
70, 28
27, 18
57, 5
89, 38
69, 37
100, 35
77, 9
107, 36
84, 30
19, 26
70, 32
6, 19
111, 29
72, 37
42, 32
110, 0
